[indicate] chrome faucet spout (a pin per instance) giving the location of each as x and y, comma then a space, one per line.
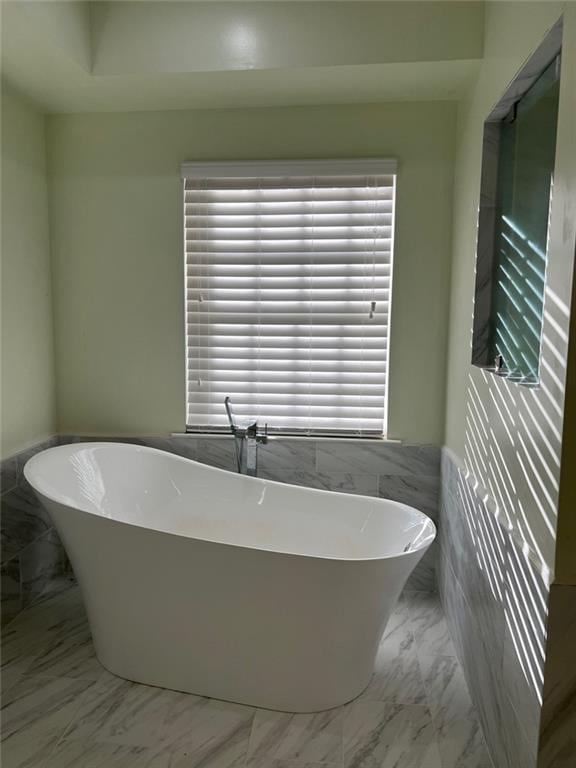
228, 405
236, 434
246, 441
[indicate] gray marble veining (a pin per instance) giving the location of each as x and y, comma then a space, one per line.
47, 624
74, 754
449, 471
397, 675
458, 734
306, 738
286, 763
453, 604
517, 751
181, 446
429, 624
423, 578
472, 537
71, 754
526, 608
483, 669
378, 457
278, 454
8, 473
30, 550
35, 711
461, 745
419, 491
446, 690
57, 586
217, 452
23, 520
12, 602
475, 543
40, 562
67, 651
495, 601
387, 735
401, 618
204, 731
480, 663
343, 482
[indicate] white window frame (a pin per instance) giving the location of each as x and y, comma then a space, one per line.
369, 167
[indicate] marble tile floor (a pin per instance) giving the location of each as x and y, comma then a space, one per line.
61, 709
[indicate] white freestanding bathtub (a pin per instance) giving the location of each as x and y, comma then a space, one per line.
202, 580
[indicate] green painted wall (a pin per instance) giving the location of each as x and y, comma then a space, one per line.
118, 263
27, 377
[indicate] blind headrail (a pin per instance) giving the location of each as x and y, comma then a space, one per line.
368, 166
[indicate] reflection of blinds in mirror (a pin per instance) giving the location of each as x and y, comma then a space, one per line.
288, 279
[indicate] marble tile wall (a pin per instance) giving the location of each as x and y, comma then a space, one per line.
495, 601
32, 554
30, 550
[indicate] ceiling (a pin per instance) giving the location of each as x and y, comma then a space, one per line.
135, 55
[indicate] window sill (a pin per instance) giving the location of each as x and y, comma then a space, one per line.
273, 438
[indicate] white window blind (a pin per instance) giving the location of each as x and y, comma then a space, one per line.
288, 280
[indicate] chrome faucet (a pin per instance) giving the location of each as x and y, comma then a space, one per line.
246, 441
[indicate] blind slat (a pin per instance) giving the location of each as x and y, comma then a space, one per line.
229, 374
255, 318
309, 234
363, 218
292, 353
289, 254
280, 388
276, 330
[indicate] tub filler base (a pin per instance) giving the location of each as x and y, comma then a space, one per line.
235, 588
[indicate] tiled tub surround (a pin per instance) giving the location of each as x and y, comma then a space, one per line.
32, 554
495, 602
61, 709
396, 471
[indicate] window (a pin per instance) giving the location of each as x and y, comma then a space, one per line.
517, 184
288, 280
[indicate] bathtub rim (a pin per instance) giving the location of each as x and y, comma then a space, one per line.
418, 550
